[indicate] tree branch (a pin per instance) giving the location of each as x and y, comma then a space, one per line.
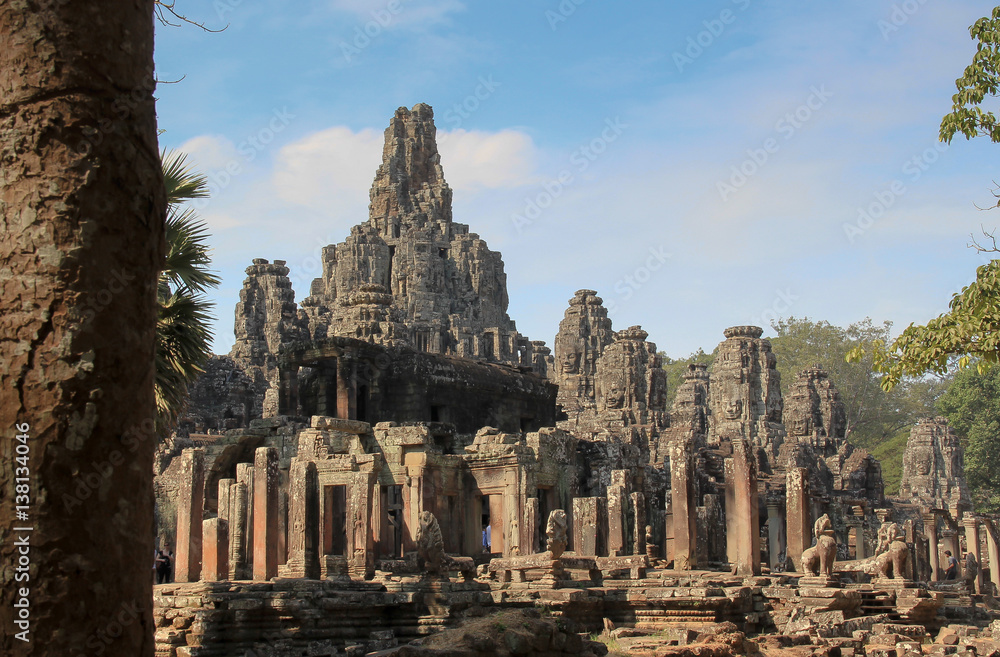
165, 9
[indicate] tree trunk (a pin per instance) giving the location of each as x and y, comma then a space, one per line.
81, 243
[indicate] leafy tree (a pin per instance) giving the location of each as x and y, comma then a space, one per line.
183, 336
677, 367
873, 415
981, 79
972, 406
969, 330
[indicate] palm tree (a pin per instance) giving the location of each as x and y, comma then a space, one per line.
183, 336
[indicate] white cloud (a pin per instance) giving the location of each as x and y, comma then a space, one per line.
473, 159
208, 152
329, 169
332, 170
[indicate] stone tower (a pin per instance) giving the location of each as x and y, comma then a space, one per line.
690, 410
934, 466
584, 333
746, 392
630, 384
814, 413
265, 319
409, 274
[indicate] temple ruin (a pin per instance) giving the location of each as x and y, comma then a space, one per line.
389, 455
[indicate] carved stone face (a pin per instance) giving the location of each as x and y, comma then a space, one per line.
615, 398
733, 409
799, 427
571, 363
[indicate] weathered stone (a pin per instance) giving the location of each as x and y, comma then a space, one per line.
584, 333
303, 531
430, 544
265, 512
745, 512
746, 392
190, 501
215, 563
683, 503
934, 466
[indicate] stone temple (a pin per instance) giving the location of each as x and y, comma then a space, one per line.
389, 456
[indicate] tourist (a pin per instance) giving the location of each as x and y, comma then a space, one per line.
162, 568
952, 570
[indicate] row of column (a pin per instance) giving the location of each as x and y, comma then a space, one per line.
242, 541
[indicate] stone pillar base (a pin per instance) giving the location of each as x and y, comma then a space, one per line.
822, 581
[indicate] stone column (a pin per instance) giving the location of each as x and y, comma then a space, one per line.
190, 500
933, 555
638, 503
346, 389
265, 514
860, 551
238, 532
530, 526
244, 475
223, 500
798, 524
617, 506
729, 470
303, 521
774, 534
683, 505
215, 567
585, 526
283, 523
972, 543
288, 390
747, 519
993, 551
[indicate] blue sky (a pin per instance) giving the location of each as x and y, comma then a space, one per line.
700, 165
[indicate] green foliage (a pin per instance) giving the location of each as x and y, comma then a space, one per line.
972, 406
981, 79
890, 455
873, 414
971, 329
183, 336
677, 367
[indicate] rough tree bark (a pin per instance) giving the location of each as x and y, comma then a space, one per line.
81, 242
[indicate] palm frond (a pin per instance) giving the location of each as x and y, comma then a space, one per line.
188, 260
183, 336
183, 346
180, 179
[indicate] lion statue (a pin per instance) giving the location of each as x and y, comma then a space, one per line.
430, 543
892, 553
818, 560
